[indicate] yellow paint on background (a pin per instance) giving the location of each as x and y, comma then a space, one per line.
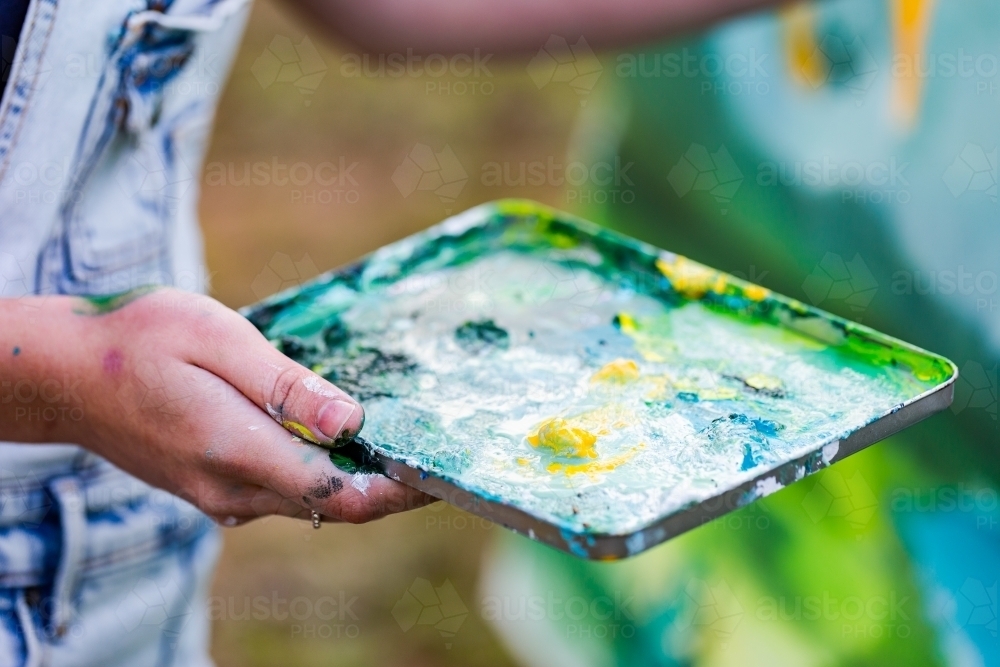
910, 24
619, 371
806, 63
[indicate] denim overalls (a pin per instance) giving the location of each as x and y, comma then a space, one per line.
102, 130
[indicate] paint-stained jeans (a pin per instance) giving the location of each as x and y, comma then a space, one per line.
103, 126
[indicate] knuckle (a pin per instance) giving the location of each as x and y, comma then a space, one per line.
284, 386
355, 508
200, 319
215, 506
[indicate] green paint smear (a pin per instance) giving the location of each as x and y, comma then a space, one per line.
355, 457
104, 304
592, 381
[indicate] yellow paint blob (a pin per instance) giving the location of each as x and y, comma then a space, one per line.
707, 393
651, 337
688, 278
755, 292
594, 467
619, 371
626, 323
564, 439
717, 394
763, 382
658, 385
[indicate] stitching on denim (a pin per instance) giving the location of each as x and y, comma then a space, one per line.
110, 112
168, 545
165, 546
20, 90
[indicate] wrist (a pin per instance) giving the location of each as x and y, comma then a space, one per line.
44, 375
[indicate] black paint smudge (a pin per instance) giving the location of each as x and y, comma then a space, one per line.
477, 336
326, 487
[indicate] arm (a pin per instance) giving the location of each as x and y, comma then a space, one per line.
185, 394
517, 25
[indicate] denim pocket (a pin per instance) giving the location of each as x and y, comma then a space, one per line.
127, 178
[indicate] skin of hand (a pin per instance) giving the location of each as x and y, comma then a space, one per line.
185, 394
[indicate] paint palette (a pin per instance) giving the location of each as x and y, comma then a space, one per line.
585, 389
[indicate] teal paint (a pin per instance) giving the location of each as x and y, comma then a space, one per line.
591, 381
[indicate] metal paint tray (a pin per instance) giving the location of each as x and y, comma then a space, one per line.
587, 390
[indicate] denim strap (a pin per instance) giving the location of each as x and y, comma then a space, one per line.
32, 647
73, 518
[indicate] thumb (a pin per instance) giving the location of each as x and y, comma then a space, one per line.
303, 402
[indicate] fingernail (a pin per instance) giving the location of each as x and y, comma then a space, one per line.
339, 421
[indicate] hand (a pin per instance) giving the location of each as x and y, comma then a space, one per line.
187, 395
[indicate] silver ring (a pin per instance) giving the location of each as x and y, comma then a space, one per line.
317, 519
